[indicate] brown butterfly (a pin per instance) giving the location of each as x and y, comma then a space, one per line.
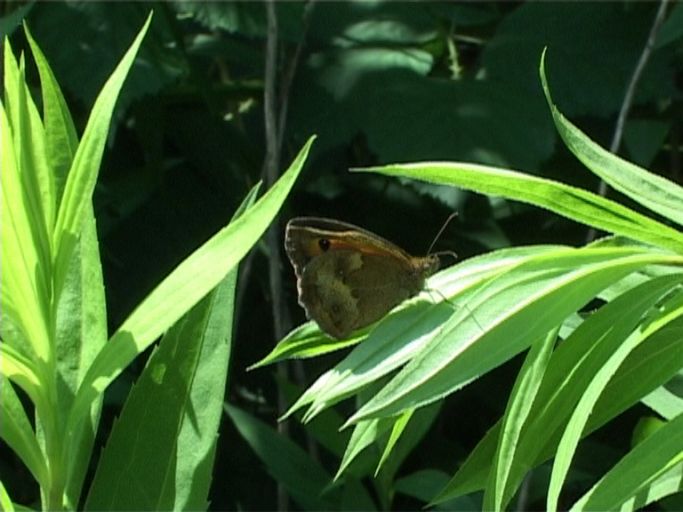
348, 277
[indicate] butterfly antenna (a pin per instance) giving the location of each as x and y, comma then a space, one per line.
450, 218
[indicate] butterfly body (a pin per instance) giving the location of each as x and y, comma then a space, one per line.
348, 277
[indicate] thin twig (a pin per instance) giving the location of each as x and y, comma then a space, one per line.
627, 103
271, 166
635, 77
286, 83
288, 77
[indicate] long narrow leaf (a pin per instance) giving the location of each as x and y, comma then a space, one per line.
29, 139
23, 297
401, 334
61, 141
80, 313
82, 176
307, 340
5, 500
660, 195
182, 289
365, 434
138, 468
650, 365
571, 202
633, 478
289, 465
584, 407
408, 431
516, 413
399, 426
80, 333
21, 370
571, 368
527, 301
16, 431
171, 411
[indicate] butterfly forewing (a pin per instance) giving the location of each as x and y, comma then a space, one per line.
347, 277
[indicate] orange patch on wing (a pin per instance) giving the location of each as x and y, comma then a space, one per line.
341, 244
312, 247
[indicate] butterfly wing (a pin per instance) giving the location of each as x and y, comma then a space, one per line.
346, 290
347, 277
326, 297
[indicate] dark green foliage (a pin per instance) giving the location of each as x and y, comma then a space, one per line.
377, 81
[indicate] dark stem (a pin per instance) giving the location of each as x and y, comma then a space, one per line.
271, 165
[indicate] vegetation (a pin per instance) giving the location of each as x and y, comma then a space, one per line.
539, 371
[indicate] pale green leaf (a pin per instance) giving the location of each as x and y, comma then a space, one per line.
650, 471
578, 419
82, 176
528, 300
182, 289
516, 414
61, 141
24, 296
399, 336
660, 195
17, 432
571, 202
365, 434
5, 501
664, 402
570, 370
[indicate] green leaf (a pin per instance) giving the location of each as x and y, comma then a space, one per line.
29, 150
80, 333
17, 432
305, 341
175, 407
652, 191
22, 371
288, 464
199, 432
664, 402
650, 471
82, 176
160, 452
389, 345
399, 426
405, 437
24, 296
182, 289
365, 433
516, 413
5, 500
399, 336
528, 300
571, 202
591, 391
61, 141
570, 370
